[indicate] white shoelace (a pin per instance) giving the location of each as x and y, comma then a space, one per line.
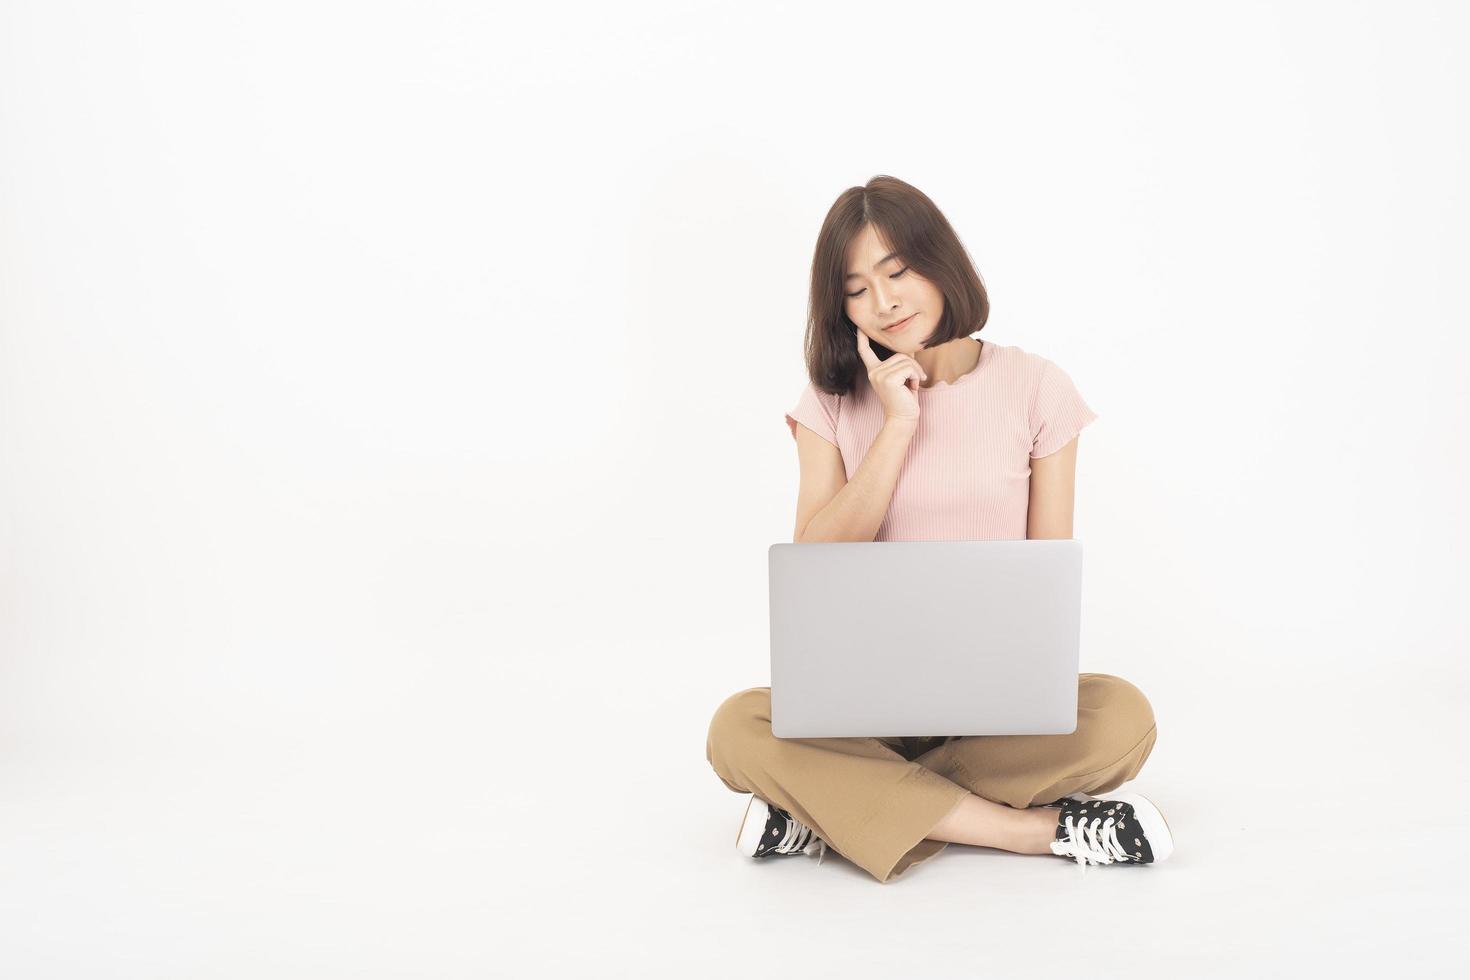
799, 837
1090, 843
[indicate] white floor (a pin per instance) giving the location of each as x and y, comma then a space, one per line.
429, 830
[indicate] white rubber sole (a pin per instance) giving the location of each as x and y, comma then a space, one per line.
1160, 840
752, 825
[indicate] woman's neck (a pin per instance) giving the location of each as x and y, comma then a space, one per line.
949, 362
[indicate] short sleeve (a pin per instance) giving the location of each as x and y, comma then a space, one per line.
1058, 412
816, 410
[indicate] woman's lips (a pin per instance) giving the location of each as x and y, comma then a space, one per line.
894, 328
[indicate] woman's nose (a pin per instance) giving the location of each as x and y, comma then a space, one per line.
882, 302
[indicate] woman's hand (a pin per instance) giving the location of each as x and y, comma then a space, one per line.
890, 379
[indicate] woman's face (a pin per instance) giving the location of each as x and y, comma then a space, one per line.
883, 292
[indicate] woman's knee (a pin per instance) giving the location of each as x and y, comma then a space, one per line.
1126, 709
738, 716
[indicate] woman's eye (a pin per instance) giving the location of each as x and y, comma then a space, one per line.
894, 276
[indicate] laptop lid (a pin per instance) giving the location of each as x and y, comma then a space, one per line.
910, 638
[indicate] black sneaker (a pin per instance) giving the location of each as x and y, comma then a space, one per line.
1122, 828
1068, 799
767, 830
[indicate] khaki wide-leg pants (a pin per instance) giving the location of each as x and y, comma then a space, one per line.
874, 800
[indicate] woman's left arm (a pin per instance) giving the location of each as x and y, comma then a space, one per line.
1053, 482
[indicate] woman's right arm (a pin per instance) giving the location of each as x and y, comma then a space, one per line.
829, 507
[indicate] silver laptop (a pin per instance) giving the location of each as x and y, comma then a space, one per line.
908, 638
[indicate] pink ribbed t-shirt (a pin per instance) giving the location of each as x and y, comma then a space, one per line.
967, 474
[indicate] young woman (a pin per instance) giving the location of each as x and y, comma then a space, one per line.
910, 429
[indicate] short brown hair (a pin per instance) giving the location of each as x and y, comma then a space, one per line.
912, 226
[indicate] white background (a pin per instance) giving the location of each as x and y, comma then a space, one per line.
391, 442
